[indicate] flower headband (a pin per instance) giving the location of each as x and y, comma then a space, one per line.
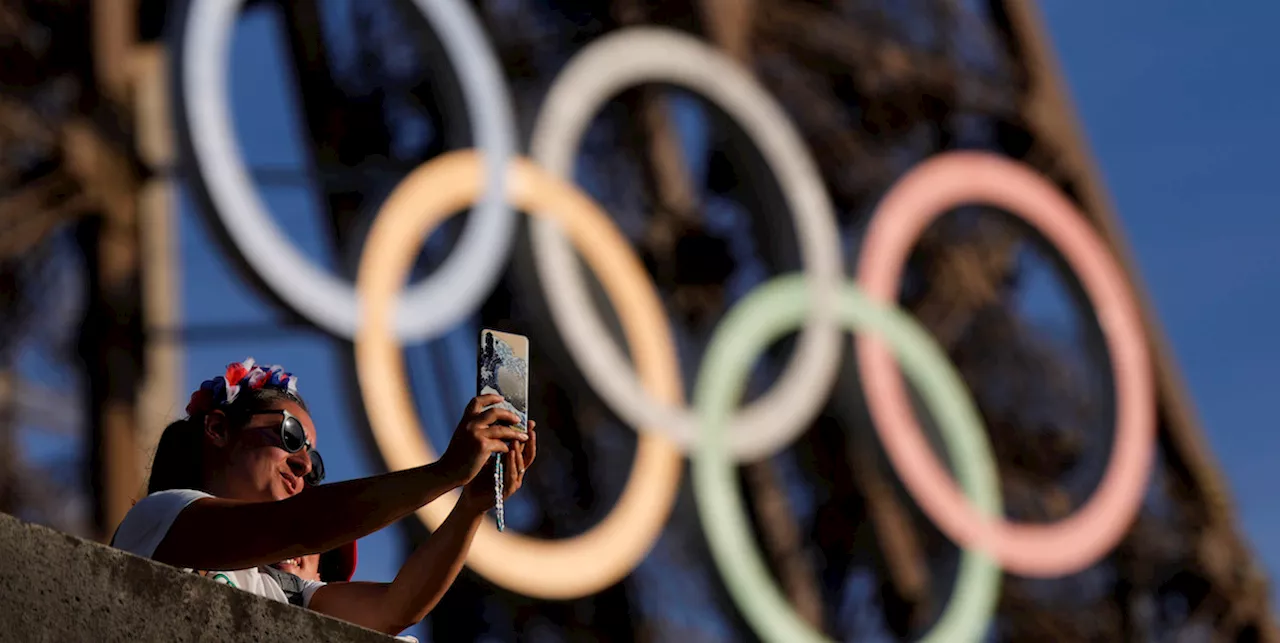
223, 390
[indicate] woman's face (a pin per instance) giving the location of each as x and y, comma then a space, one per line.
257, 466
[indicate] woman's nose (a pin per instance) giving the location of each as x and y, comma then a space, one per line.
300, 463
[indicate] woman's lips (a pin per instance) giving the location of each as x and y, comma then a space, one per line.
292, 483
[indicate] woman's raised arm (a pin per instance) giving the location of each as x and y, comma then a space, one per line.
224, 534
432, 568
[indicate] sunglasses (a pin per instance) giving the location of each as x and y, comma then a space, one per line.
293, 438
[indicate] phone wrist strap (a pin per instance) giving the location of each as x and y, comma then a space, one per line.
497, 491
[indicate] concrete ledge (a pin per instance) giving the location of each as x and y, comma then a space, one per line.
59, 588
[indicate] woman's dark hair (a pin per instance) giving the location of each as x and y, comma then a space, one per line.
179, 458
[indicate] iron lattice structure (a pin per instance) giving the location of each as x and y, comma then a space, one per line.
874, 86
55, 130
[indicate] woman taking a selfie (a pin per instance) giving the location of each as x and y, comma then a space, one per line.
226, 496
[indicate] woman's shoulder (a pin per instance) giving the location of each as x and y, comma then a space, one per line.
162, 503
147, 523
172, 495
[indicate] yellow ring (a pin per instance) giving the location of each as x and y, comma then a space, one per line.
564, 569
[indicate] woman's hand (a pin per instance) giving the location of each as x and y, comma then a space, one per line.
432, 568
479, 435
477, 496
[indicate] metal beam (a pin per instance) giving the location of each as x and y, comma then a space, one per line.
111, 336
160, 391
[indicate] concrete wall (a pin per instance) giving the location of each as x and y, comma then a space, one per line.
58, 588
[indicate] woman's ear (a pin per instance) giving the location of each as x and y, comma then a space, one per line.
216, 428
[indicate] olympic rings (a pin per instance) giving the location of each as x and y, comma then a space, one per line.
768, 312
638, 55
470, 271
927, 191
605, 554
379, 319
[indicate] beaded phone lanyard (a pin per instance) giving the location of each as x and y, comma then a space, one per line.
497, 491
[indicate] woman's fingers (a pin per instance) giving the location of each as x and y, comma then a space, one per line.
511, 473
479, 402
531, 447
496, 415
518, 456
503, 432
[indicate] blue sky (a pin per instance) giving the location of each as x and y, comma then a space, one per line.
1178, 102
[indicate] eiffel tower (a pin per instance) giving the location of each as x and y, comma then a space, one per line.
864, 87
79, 142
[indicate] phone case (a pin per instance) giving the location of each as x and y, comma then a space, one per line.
503, 368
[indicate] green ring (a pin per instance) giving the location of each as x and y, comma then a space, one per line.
768, 312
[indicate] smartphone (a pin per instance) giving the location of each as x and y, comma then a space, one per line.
502, 367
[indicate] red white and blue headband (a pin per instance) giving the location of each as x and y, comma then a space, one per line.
240, 376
